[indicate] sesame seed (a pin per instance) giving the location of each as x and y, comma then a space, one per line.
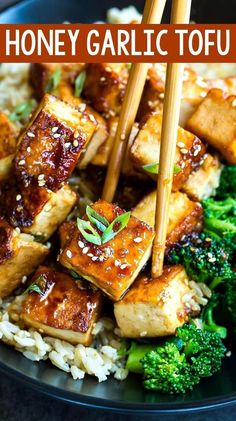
94, 258
122, 136
209, 254
124, 266
83, 120
30, 134
180, 144
212, 259
81, 244
161, 95
41, 183
18, 197
90, 254
85, 250
69, 254
138, 240
24, 279
48, 207
67, 145
82, 107
76, 134
17, 229
19, 208
75, 143
56, 135
92, 118
101, 258
54, 129
28, 149
117, 263
102, 79
184, 151
108, 69
234, 103
41, 177
21, 162
228, 354
144, 333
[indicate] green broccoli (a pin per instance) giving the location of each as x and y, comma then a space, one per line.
227, 187
220, 216
204, 258
179, 363
209, 323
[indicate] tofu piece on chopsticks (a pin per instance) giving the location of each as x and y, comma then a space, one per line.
20, 255
62, 307
155, 307
146, 149
203, 182
105, 86
113, 265
38, 198
185, 216
215, 122
8, 138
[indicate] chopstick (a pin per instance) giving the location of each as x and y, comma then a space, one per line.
180, 13
153, 12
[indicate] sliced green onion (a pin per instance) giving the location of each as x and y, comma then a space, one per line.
53, 81
92, 236
109, 233
154, 168
79, 83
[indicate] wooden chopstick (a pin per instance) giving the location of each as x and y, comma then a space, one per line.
153, 12
180, 13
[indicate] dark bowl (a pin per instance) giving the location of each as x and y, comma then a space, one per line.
127, 396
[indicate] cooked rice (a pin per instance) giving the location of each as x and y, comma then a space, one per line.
14, 85
100, 359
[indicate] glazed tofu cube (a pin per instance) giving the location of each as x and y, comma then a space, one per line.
114, 265
20, 255
101, 132
36, 210
40, 74
215, 121
51, 145
146, 149
185, 216
203, 182
7, 146
66, 308
154, 307
53, 213
105, 86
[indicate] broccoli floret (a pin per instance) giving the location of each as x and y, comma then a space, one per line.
227, 185
220, 216
178, 364
204, 258
209, 323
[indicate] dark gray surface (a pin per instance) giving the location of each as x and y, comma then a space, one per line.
18, 403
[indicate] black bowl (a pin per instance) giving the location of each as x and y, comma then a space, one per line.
127, 396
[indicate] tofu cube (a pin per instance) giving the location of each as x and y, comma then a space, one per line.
51, 145
66, 308
153, 93
20, 255
105, 86
40, 73
203, 182
154, 307
112, 266
7, 146
215, 122
36, 210
101, 132
146, 149
102, 155
185, 216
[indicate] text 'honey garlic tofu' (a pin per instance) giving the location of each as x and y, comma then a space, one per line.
20, 255
185, 216
154, 307
203, 182
65, 308
52, 143
105, 86
7, 146
215, 122
146, 149
114, 265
